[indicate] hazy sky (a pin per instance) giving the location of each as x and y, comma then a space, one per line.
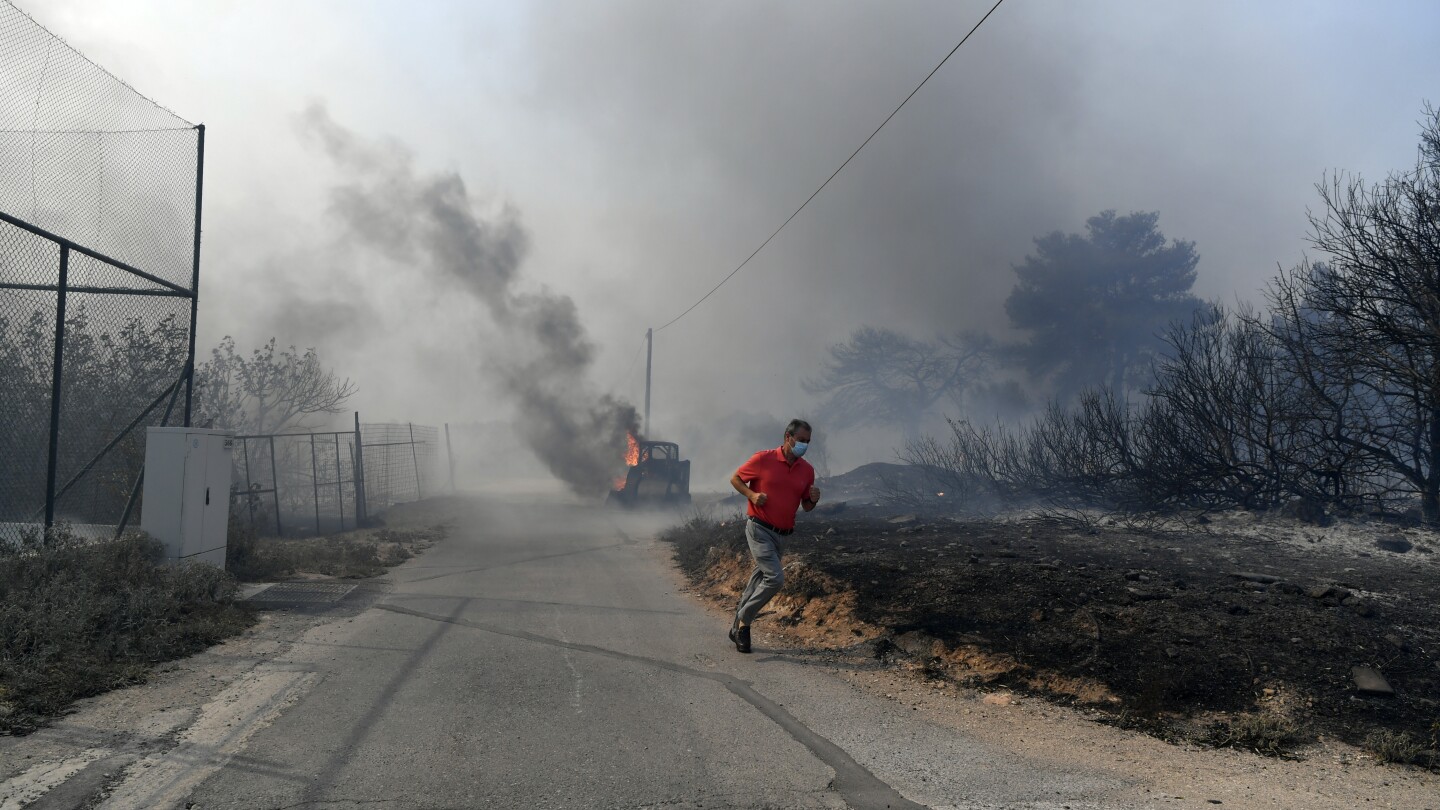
647, 147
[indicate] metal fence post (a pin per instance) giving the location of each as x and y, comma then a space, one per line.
361, 517
315, 483
415, 459
339, 493
275, 488
55, 387
195, 270
249, 485
450, 454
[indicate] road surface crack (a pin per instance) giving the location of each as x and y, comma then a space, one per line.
860, 788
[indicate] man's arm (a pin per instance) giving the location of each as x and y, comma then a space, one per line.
811, 500
757, 498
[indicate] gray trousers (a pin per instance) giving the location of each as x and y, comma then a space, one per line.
768, 576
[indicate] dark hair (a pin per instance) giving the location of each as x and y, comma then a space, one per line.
797, 425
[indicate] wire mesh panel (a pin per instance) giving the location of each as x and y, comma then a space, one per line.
27, 355
86, 157
295, 484
400, 463
99, 224
309, 483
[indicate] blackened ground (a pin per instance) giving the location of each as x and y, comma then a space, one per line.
1159, 617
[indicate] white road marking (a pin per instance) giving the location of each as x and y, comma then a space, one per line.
225, 724
25, 788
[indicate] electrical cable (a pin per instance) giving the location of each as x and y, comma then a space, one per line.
630, 373
837, 171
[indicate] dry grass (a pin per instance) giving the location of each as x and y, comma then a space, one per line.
1399, 749
78, 619
1262, 732
351, 555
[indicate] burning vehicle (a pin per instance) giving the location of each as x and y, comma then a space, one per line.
655, 475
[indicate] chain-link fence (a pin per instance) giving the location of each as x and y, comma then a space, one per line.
99, 267
311, 483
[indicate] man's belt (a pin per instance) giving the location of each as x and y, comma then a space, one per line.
779, 531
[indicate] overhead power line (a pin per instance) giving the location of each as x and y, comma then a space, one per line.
630, 373
833, 174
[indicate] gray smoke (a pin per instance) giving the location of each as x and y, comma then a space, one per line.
428, 224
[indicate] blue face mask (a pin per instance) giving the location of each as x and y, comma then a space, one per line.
800, 448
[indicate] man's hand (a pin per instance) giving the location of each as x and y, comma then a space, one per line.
814, 495
759, 498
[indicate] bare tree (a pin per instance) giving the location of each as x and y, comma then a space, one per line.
1363, 332
880, 376
1234, 429
268, 392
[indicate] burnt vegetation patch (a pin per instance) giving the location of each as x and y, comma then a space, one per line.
1169, 631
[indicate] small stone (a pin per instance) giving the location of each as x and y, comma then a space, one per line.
1319, 591
1394, 543
1371, 682
1397, 642
1254, 577
901, 520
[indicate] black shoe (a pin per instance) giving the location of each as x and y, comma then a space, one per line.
741, 637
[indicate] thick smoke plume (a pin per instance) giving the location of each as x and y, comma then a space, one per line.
427, 223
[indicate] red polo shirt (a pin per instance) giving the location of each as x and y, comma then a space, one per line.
785, 484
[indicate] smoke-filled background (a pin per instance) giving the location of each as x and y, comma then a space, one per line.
535, 352
475, 210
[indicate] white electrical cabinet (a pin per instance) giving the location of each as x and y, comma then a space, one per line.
187, 491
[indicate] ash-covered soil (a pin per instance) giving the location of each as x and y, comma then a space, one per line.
1244, 630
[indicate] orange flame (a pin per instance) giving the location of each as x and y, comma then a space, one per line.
632, 458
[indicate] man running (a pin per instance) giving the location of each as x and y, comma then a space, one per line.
776, 482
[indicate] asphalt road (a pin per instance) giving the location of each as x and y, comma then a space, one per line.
544, 657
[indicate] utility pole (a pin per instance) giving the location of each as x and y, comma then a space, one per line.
450, 454
649, 355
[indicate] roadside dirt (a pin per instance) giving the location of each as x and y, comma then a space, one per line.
1243, 631
198, 708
